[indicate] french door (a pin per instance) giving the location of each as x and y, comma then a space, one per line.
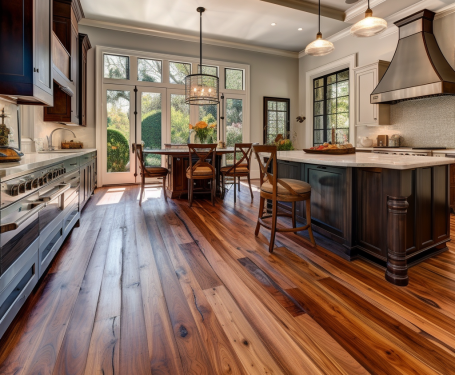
121, 129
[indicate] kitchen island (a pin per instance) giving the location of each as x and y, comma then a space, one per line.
388, 209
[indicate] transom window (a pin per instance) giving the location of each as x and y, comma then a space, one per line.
331, 108
233, 79
116, 67
178, 71
149, 70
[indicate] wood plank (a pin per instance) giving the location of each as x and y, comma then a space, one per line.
163, 352
192, 352
283, 298
134, 353
251, 351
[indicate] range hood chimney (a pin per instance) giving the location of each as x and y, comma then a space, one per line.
418, 68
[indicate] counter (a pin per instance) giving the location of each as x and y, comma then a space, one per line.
388, 209
36, 160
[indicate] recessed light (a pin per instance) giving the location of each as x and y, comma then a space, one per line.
300, 29
273, 24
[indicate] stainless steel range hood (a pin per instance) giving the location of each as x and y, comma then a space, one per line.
418, 69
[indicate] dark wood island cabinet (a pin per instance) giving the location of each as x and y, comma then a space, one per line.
394, 218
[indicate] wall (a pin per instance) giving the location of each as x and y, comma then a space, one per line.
408, 118
270, 75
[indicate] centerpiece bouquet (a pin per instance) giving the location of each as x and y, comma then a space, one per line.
203, 130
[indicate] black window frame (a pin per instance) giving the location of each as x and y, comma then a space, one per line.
325, 129
266, 101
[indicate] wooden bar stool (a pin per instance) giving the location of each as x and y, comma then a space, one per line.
241, 168
149, 172
202, 169
280, 190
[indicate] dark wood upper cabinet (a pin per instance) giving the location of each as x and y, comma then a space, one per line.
26, 50
70, 65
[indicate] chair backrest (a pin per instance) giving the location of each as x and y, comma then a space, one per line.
202, 152
244, 150
137, 149
268, 174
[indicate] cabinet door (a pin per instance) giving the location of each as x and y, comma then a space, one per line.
366, 113
288, 169
328, 197
43, 45
82, 188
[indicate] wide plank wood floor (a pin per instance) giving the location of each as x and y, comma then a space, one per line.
167, 289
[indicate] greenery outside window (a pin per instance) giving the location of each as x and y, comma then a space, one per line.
207, 69
276, 118
331, 107
116, 67
178, 71
233, 79
149, 70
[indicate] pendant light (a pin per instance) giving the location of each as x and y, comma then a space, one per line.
369, 26
319, 47
201, 89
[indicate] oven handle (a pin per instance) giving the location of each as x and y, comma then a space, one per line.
7, 227
63, 188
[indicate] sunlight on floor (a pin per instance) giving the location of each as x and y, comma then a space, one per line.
112, 196
151, 193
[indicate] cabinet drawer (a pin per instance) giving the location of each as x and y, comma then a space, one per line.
49, 248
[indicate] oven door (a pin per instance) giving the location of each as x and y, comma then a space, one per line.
74, 180
52, 214
19, 228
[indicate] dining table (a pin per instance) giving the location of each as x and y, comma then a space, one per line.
177, 161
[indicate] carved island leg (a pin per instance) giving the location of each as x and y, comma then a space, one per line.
397, 268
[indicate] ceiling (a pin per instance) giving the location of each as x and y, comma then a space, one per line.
244, 21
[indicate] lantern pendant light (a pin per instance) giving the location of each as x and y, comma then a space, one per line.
369, 26
201, 89
319, 47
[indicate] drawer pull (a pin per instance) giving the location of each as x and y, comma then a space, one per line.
73, 164
321, 167
7, 227
63, 188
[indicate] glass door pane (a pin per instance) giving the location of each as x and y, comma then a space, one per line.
209, 114
179, 119
118, 131
234, 123
151, 125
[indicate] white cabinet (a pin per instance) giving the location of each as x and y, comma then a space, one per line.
366, 79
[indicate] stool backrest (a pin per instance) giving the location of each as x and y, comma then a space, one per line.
245, 150
202, 152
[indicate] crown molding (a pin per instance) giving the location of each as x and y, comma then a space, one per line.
360, 8
392, 29
186, 38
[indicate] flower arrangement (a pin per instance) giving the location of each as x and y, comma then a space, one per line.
285, 145
203, 130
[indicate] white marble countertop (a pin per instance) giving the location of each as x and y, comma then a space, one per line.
365, 160
36, 160
443, 152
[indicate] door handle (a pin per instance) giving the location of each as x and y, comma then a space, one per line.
7, 227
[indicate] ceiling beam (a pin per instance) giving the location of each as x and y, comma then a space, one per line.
310, 7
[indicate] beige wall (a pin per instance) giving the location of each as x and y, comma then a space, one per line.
270, 76
370, 50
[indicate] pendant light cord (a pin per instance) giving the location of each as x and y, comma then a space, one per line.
200, 65
320, 15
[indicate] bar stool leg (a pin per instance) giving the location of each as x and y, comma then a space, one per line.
261, 212
273, 231
308, 221
142, 189
251, 190
235, 194
239, 183
164, 189
293, 216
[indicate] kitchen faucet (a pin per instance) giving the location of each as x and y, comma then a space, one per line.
49, 138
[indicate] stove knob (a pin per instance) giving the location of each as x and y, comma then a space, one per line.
55, 173
44, 179
28, 185
22, 187
35, 183
49, 176
15, 190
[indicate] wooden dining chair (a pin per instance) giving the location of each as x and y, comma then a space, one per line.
280, 190
149, 172
203, 169
240, 168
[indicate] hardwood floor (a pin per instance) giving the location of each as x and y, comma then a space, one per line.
168, 289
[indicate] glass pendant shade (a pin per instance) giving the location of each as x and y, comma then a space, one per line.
319, 47
369, 26
201, 89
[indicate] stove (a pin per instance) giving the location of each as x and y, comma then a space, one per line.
430, 148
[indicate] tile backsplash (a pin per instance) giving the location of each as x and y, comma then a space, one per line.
420, 123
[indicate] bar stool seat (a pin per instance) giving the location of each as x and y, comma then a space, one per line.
158, 171
228, 170
299, 187
199, 171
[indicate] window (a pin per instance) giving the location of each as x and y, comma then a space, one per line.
276, 118
331, 108
178, 72
234, 124
149, 70
116, 67
234, 79
209, 114
180, 120
151, 125
206, 69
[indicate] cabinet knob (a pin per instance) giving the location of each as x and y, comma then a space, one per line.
37, 70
